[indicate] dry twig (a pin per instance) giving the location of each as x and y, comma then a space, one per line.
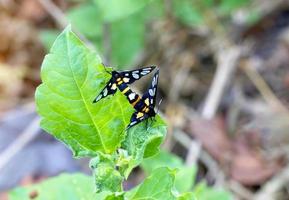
25, 137
269, 190
263, 87
226, 66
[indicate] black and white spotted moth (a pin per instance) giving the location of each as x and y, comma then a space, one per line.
144, 105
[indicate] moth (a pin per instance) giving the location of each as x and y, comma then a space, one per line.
144, 105
121, 80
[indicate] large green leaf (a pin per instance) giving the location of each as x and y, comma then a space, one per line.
128, 34
63, 187
87, 19
72, 76
112, 10
127, 39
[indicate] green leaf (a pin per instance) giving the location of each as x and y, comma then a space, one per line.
158, 186
87, 19
185, 178
185, 175
112, 10
63, 187
47, 37
228, 6
202, 191
128, 34
162, 159
107, 177
127, 39
188, 196
72, 76
143, 140
187, 12
253, 17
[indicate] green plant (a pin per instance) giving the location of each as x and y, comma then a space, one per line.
72, 76
185, 176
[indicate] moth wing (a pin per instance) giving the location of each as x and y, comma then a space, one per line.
136, 118
150, 96
109, 89
133, 75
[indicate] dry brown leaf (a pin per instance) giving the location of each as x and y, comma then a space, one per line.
212, 136
246, 165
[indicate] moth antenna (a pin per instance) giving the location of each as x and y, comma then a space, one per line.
105, 68
159, 105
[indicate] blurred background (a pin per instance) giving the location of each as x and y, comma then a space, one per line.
224, 84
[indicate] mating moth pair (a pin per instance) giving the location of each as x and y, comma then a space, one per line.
144, 106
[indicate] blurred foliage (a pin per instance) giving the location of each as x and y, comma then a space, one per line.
65, 186
79, 187
126, 22
185, 176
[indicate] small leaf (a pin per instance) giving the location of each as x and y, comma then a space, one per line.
185, 175
204, 192
162, 159
143, 140
158, 186
72, 76
63, 187
107, 177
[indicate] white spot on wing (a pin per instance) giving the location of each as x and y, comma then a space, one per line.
131, 96
113, 87
126, 80
151, 92
154, 81
135, 75
144, 72
132, 123
105, 92
98, 97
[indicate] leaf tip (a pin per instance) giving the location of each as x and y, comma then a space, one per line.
68, 28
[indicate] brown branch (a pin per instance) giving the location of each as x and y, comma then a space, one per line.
227, 62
